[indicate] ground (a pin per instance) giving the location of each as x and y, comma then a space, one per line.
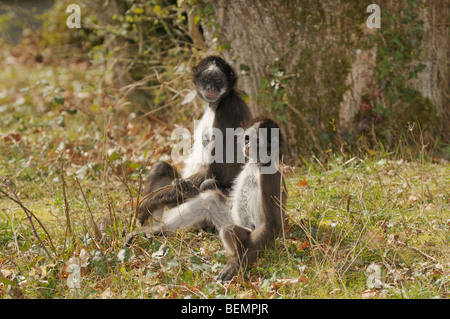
73, 152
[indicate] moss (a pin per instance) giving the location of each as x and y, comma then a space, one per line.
322, 70
414, 108
400, 105
334, 34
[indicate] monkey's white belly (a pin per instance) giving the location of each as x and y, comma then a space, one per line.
245, 197
199, 156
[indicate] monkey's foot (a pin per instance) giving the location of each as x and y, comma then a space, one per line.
229, 271
128, 239
143, 216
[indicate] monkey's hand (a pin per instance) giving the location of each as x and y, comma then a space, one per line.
208, 184
230, 269
185, 186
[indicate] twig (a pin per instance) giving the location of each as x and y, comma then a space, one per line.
29, 215
136, 211
416, 249
113, 218
283, 209
349, 198
130, 194
97, 232
66, 204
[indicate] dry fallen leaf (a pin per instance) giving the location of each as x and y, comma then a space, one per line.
374, 239
5, 272
12, 136
369, 294
303, 246
302, 183
161, 252
303, 279
189, 97
412, 199
107, 294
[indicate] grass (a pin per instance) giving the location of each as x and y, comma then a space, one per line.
375, 227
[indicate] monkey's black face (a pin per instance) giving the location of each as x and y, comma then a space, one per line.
213, 78
212, 84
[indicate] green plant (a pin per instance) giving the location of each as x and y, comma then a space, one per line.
272, 93
394, 105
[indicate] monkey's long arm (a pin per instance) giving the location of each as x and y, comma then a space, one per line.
208, 208
176, 193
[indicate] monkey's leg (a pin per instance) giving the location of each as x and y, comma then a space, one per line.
208, 207
161, 174
236, 240
244, 246
176, 193
155, 203
169, 195
188, 214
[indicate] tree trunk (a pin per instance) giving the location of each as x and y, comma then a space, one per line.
319, 68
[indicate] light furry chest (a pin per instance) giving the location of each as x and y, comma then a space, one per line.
198, 157
245, 197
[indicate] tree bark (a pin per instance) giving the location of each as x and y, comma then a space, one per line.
329, 65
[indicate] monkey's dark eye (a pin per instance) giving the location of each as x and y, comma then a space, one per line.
218, 82
247, 138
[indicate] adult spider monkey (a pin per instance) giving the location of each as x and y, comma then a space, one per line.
250, 219
215, 82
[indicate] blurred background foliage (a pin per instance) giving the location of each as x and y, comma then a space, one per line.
334, 85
